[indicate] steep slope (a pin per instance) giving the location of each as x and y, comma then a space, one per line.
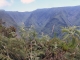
38, 18
45, 19
6, 18
48, 20
54, 26
19, 17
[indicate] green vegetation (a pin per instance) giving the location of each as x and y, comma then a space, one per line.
32, 47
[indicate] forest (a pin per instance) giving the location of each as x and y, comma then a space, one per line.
30, 46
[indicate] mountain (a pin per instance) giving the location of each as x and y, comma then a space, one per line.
47, 20
7, 19
52, 19
13, 18
38, 18
19, 17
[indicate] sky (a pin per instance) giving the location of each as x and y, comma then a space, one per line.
30, 5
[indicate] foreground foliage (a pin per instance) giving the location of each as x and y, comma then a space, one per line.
32, 47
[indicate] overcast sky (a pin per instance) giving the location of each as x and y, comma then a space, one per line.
30, 5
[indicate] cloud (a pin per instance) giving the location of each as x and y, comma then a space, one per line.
5, 3
27, 1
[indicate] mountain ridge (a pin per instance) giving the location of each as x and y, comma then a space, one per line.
44, 19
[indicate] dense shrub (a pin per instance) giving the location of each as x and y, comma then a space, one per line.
32, 47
